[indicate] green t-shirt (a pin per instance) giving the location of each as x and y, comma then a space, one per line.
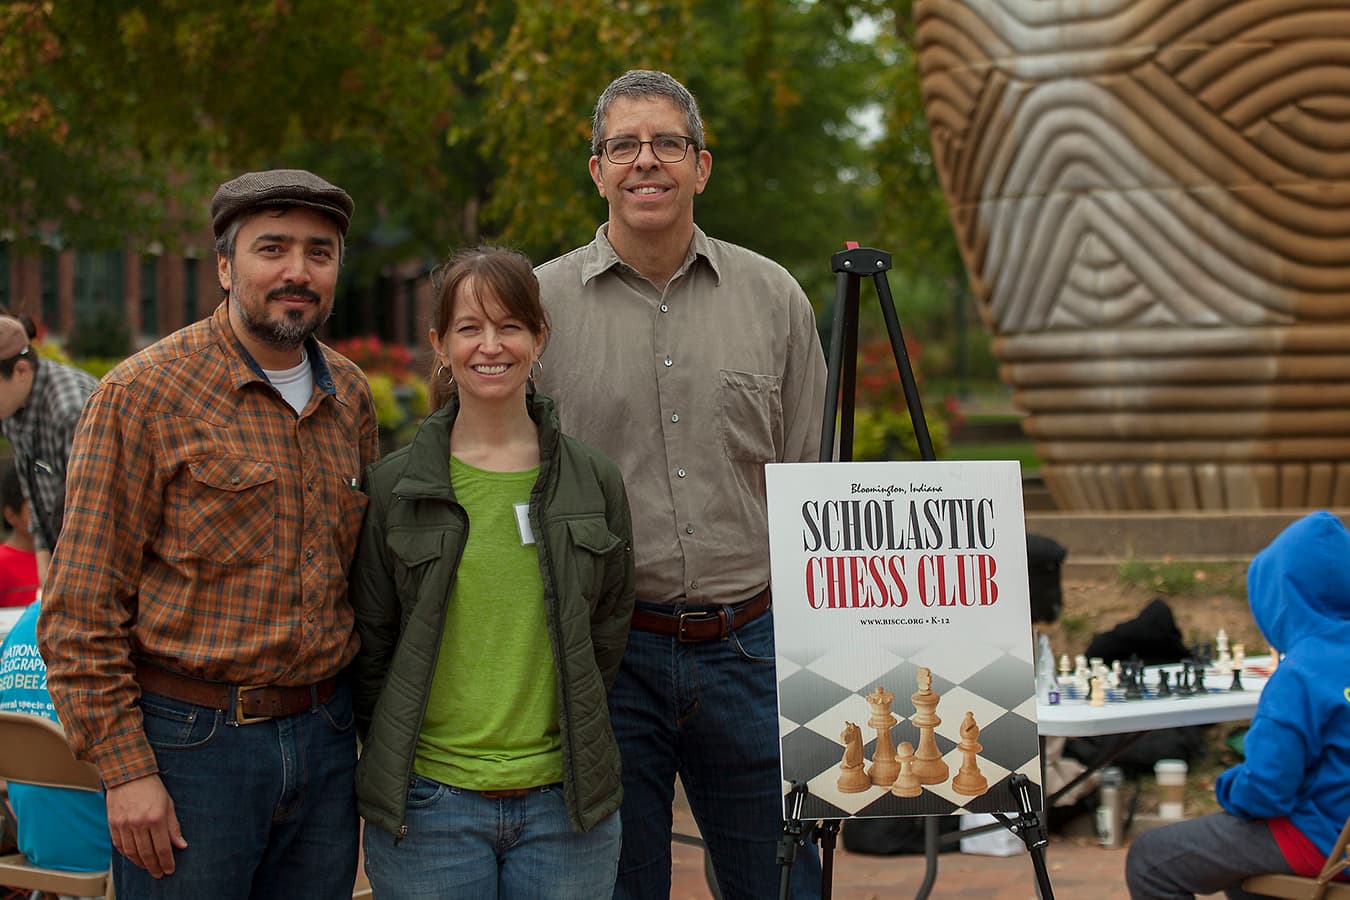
492, 718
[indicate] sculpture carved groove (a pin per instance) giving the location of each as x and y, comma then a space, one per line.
1152, 198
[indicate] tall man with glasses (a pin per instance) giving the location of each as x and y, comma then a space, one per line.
196, 626
692, 362
40, 402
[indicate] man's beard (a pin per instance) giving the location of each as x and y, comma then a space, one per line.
293, 328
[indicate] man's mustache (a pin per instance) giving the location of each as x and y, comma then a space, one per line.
294, 290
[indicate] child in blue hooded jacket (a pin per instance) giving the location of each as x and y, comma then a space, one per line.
1285, 804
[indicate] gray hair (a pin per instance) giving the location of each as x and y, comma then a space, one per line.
225, 244
639, 84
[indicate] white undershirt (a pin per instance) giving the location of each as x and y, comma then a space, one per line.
295, 384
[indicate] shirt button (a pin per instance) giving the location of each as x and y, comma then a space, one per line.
665, 308
693, 585
309, 554
679, 472
310, 617
689, 529
674, 417
669, 361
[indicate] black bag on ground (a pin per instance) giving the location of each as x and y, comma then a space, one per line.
889, 837
1152, 636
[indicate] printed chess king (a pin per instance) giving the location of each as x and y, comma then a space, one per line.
817, 695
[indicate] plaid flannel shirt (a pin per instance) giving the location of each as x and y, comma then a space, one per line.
209, 530
40, 435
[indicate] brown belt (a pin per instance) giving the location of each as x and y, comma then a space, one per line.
248, 703
504, 794
692, 626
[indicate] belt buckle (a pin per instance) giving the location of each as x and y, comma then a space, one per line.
697, 616
239, 717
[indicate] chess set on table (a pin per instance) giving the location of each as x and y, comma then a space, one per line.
1092, 681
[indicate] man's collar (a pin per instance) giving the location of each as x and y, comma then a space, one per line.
251, 371
600, 255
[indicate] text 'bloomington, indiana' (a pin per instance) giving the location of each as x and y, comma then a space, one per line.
869, 554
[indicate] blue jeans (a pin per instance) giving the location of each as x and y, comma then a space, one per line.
708, 711
1208, 855
267, 809
462, 844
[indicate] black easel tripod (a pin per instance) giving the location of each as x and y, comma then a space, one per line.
851, 266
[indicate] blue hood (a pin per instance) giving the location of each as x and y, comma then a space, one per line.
1299, 586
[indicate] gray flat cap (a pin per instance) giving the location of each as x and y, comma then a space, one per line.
279, 187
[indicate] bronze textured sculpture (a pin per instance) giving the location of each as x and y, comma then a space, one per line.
1153, 201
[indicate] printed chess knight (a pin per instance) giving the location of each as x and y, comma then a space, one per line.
853, 780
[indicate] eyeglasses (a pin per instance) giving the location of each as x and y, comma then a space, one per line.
669, 148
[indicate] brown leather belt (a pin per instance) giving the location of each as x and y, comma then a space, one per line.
692, 626
505, 793
246, 703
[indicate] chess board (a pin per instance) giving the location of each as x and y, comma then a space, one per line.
818, 693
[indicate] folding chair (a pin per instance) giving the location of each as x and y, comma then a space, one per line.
1302, 887
33, 750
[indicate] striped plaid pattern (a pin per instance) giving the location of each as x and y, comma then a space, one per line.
208, 530
40, 434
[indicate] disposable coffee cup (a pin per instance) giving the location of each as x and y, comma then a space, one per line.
1171, 774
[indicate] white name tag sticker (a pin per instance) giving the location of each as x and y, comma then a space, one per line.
523, 522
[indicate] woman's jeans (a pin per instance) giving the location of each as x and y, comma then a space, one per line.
462, 844
267, 809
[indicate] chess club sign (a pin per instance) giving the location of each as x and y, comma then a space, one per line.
903, 630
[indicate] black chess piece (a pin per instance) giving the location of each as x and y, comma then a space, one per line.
1237, 680
1184, 688
1164, 689
1134, 680
1199, 686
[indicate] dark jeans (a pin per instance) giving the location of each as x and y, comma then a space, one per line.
1201, 856
267, 810
708, 711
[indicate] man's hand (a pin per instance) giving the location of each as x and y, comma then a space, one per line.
143, 825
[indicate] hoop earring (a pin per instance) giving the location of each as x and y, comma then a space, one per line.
537, 362
441, 371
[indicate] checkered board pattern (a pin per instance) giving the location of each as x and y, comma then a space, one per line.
819, 692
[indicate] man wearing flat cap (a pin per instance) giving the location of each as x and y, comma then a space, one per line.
40, 402
195, 625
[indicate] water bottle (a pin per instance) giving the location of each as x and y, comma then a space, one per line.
1110, 809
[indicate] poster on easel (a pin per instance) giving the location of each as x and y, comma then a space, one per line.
902, 622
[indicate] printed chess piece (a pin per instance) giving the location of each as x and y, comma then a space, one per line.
906, 783
928, 764
884, 767
970, 781
853, 780
1097, 694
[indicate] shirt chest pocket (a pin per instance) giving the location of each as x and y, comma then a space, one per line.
414, 552
750, 412
231, 510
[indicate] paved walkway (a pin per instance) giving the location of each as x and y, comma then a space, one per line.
1079, 869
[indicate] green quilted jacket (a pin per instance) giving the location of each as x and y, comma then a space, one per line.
405, 564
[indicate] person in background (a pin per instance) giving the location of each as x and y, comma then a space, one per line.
692, 362
18, 562
493, 589
40, 404
196, 624
1285, 803
58, 828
